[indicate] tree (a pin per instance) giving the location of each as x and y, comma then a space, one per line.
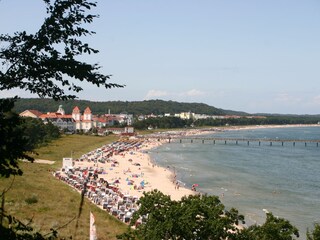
202, 217
274, 228
37, 133
315, 234
36, 63
194, 217
13, 144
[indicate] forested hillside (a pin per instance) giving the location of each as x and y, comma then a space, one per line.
136, 107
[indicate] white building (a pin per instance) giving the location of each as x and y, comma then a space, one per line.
186, 115
83, 122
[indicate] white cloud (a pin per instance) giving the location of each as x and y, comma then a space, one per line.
156, 93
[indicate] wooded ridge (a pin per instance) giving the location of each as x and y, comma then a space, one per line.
116, 107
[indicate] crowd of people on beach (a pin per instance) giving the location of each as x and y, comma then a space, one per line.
113, 176
89, 179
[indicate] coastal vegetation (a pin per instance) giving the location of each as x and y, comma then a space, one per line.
160, 107
174, 122
37, 133
134, 107
269, 120
164, 122
201, 217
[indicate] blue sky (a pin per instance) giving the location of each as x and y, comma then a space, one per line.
252, 56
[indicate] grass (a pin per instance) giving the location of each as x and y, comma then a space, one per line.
74, 145
50, 203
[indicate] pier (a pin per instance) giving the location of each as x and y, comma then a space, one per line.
236, 141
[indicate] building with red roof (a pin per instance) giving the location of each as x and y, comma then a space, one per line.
31, 113
83, 122
59, 119
76, 121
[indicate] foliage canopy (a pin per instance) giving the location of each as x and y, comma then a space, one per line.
13, 143
194, 217
44, 63
201, 217
33, 61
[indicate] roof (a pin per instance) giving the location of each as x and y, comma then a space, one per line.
36, 112
87, 110
60, 119
101, 119
76, 109
54, 115
50, 115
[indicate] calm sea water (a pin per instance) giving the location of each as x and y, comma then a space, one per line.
284, 180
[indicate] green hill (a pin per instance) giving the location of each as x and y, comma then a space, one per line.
55, 203
135, 107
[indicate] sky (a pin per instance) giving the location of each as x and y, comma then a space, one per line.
249, 55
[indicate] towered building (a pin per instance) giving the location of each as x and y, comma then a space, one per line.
71, 122
84, 121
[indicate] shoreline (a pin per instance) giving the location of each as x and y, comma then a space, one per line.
249, 127
115, 176
158, 177
154, 176
131, 171
210, 130
213, 130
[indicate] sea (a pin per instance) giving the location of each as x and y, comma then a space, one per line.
282, 179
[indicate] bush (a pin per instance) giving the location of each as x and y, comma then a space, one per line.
31, 200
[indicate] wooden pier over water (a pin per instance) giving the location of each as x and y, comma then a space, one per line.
236, 141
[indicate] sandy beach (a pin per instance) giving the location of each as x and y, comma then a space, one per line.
116, 175
131, 169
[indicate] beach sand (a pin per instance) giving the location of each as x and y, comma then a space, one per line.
136, 168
